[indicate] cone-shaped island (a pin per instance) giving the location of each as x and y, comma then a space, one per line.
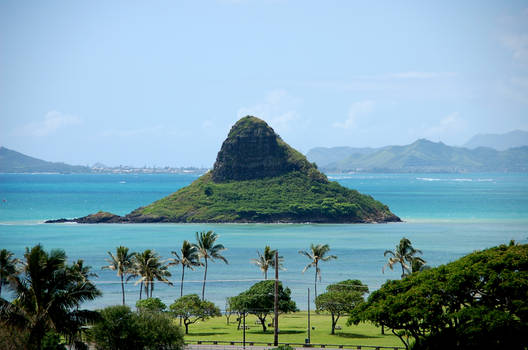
257, 178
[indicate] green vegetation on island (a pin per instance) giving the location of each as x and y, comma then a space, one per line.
257, 178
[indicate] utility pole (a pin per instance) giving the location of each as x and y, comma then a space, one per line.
309, 341
244, 331
276, 335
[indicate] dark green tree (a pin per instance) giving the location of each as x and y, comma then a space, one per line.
208, 250
191, 309
48, 295
8, 267
259, 301
121, 329
121, 262
341, 298
317, 254
477, 302
150, 305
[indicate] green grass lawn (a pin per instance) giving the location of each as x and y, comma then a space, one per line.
293, 328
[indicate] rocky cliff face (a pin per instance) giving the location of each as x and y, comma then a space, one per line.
253, 150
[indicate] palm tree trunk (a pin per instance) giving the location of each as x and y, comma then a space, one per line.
181, 285
266, 274
123, 289
140, 290
315, 282
151, 288
205, 277
403, 271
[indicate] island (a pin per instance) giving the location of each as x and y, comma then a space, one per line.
257, 178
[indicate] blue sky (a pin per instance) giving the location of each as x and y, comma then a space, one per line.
161, 82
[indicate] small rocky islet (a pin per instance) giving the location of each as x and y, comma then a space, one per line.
257, 178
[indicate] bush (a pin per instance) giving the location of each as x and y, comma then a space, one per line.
150, 305
120, 328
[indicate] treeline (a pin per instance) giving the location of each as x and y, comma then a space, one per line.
477, 302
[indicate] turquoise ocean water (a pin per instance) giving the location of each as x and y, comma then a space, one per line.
446, 216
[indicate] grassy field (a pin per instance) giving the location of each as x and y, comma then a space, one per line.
293, 328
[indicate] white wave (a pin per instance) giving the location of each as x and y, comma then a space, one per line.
463, 180
428, 179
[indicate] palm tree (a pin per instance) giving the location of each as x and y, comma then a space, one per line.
8, 267
403, 255
267, 260
418, 264
207, 249
47, 297
316, 254
148, 266
121, 262
187, 258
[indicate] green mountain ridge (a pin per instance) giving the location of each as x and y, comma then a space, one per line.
257, 178
424, 156
16, 162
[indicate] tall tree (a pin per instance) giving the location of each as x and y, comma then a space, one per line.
47, 296
341, 298
121, 262
207, 249
267, 260
403, 255
8, 267
149, 267
188, 257
317, 254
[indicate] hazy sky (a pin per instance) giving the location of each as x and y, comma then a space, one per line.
161, 82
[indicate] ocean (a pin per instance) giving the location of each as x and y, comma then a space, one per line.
445, 215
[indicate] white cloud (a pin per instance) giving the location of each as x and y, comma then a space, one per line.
279, 109
53, 121
355, 112
447, 129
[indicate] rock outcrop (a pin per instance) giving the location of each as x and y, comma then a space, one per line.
253, 150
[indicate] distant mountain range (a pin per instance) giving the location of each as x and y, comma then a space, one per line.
500, 142
420, 156
16, 162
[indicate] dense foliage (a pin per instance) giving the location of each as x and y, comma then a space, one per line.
121, 329
191, 309
150, 305
477, 302
340, 299
293, 197
48, 295
259, 300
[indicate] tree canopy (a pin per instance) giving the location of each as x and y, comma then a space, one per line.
191, 309
340, 299
259, 300
48, 295
479, 301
